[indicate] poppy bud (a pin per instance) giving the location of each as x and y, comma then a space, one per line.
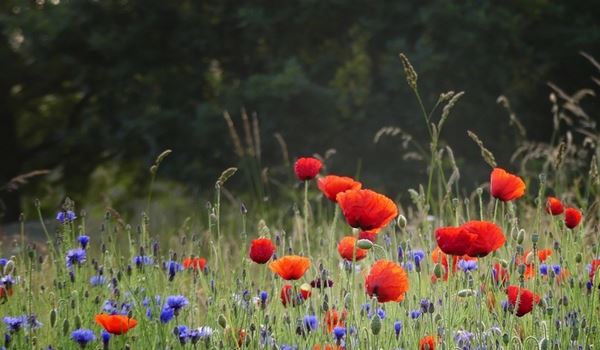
465, 293
578, 257
505, 338
364, 244
65, 327
520, 236
52, 318
222, 321
544, 344
305, 291
401, 221
77, 321
438, 270
375, 325
535, 238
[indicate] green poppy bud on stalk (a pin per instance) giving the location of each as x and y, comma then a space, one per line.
364, 244
222, 321
438, 270
375, 325
401, 221
52, 318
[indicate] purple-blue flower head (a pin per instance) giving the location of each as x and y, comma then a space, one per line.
83, 337
397, 328
75, 256
263, 295
97, 280
14, 324
166, 315
176, 302
556, 269
467, 265
463, 339
66, 217
415, 314
142, 260
311, 323
3, 262
418, 255
543, 269
181, 332
339, 332
83, 241
105, 338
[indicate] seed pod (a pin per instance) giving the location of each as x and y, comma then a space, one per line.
52, 318
65, 327
401, 222
465, 293
375, 325
222, 321
364, 244
77, 321
544, 343
438, 270
578, 258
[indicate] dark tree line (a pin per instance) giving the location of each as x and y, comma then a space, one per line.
88, 82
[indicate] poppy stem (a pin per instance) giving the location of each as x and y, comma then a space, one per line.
306, 217
495, 209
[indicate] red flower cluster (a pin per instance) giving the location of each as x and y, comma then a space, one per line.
287, 294
555, 207
194, 263
474, 238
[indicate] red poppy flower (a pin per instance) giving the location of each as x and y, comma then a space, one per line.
366, 209
427, 343
526, 299
290, 267
346, 249
474, 238
327, 347
116, 324
261, 250
370, 235
453, 240
572, 217
543, 254
500, 274
595, 265
287, 294
334, 319
307, 168
554, 206
506, 186
331, 185
194, 263
387, 281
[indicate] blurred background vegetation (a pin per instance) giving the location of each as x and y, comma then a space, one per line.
93, 91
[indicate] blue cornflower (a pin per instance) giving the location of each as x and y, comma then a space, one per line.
105, 338
463, 339
556, 269
467, 265
181, 332
263, 297
339, 332
418, 255
176, 302
83, 241
75, 256
543, 269
288, 347
400, 253
424, 304
194, 335
381, 313
14, 324
32, 322
66, 217
397, 328
172, 268
97, 280
504, 305
409, 266
166, 315
110, 307
310, 322
141, 260
415, 314
366, 308
3, 262
7, 281
83, 337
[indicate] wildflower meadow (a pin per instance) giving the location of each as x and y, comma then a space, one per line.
510, 263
